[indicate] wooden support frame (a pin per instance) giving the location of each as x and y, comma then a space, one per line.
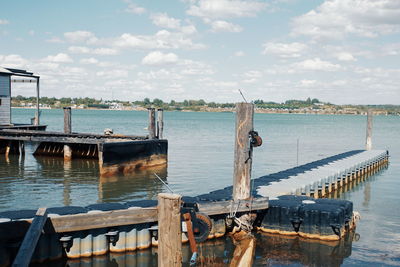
31, 238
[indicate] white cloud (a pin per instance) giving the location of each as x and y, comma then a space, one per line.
345, 56
31, 32
4, 22
164, 21
103, 51
284, 50
59, 58
316, 64
79, 49
90, 60
116, 73
307, 83
191, 67
253, 74
55, 40
239, 54
224, 26
188, 29
337, 18
133, 8
158, 58
81, 37
161, 40
225, 8
13, 61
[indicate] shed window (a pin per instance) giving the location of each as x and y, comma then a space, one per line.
0, 101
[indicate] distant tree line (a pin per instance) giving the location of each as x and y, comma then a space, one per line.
195, 105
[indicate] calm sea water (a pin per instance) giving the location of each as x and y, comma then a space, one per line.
200, 160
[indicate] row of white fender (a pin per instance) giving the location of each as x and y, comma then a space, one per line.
97, 242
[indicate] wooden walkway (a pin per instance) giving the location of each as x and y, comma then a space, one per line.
57, 137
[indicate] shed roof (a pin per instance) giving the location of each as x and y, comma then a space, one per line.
5, 71
17, 72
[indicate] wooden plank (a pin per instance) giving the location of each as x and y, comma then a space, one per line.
67, 120
86, 221
11, 132
224, 207
31, 238
169, 230
243, 151
368, 143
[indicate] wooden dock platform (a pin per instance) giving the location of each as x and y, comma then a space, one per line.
116, 153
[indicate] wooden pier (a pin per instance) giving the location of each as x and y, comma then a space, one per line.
115, 153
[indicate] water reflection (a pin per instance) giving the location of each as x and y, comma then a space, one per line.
75, 182
139, 184
279, 250
271, 250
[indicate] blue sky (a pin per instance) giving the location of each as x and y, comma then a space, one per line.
341, 51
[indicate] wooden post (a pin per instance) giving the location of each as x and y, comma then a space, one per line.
152, 123
368, 143
37, 114
169, 230
67, 152
31, 238
67, 120
243, 151
160, 123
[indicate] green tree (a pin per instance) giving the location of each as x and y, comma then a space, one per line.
157, 102
146, 101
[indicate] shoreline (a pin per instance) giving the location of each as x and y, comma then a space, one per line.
226, 110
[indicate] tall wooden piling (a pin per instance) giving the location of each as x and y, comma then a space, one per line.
160, 123
152, 123
37, 113
368, 142
67, 120
243, 151
169, 230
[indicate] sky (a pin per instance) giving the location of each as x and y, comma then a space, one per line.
339, 51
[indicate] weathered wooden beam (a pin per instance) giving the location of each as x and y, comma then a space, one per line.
224, 207
152, 123
37, 114
243, 151
160, 123
368, 142
86, 221
67, 120
31, 238
169, 230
